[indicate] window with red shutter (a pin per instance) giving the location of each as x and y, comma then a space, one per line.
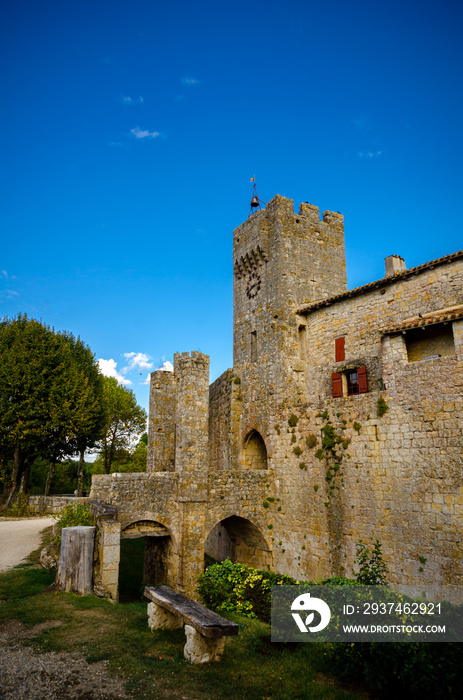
357, 381
339, 352
362, 380
336, 384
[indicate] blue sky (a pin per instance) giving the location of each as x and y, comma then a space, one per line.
131, 131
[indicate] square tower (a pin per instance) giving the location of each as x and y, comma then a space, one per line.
282, 260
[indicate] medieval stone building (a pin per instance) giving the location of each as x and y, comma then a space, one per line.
341, 419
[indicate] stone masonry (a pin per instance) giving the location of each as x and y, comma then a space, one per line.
341, 419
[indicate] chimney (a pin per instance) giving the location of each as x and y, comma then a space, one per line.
394, 264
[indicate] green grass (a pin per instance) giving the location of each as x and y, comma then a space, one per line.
152, 662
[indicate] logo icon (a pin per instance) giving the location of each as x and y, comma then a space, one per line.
304, 603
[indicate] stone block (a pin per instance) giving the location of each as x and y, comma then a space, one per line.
202, 650
162, 619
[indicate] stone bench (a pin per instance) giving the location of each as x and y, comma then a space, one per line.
205, 630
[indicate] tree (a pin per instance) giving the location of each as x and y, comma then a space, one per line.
50, 398
125, 420
125, 460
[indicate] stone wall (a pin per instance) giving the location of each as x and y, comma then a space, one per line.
51, 505
401, 477
267, 465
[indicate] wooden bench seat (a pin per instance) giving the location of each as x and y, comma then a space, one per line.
205, 630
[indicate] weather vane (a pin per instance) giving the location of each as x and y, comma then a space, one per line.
256, 203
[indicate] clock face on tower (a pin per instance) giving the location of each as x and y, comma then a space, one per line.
253, 284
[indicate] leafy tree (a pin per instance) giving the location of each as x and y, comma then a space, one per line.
125, 420
65, 476
50, 398
133, 460
91, 415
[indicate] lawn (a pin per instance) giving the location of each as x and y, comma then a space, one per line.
152, 663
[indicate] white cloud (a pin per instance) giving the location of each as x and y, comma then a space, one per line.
369, 154
139, 134
137, 360
166, 366
126, 100
4, 273
189, 80
8, 294
109, 369
360, 123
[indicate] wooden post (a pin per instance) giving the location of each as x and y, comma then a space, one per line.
75, 564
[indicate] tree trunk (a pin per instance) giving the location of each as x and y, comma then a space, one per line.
108, 456
14, 475
51, 471
25, 478
80, 473
75, 564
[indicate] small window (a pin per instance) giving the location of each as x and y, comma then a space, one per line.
302, 330
339, 351
349, 383
254, 346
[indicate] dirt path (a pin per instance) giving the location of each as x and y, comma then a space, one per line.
18, 538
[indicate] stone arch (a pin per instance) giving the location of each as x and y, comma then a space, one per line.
160, 560
254, 451
238, 539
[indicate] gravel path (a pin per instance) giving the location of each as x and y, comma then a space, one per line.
18, 538
26, 675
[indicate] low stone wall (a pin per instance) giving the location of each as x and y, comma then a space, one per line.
51, 505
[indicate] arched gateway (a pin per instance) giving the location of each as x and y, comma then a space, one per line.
159, 565
240, 540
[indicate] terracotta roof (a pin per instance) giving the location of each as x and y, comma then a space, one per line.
427, 320
377, 284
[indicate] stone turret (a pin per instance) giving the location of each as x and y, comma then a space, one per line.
161, 423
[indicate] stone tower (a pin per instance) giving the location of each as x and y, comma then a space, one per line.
281, 261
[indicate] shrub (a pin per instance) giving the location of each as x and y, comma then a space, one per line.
293, 420
240, 588
381, 407
21, 507
372, 569
311, 440
72, 515
412, 670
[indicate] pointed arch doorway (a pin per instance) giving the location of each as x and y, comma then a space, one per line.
240, 540
254, 452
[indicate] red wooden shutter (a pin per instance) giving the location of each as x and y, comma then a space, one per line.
362, 380
339, 352
336, 384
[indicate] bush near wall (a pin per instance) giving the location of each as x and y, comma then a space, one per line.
240, 588
412, 670
73, 515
